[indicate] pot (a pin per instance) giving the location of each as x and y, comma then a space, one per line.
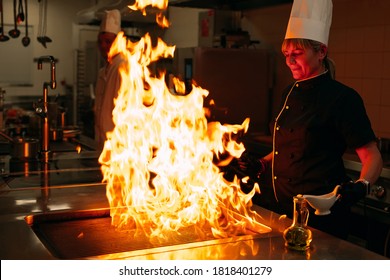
23, 148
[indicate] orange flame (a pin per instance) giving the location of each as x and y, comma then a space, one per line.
159, 4
159, 160
142, 4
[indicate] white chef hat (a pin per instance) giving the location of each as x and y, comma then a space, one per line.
111, 22
310, 19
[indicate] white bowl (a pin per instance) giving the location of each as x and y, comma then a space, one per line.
322, 203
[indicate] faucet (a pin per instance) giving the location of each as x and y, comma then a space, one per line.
43, 111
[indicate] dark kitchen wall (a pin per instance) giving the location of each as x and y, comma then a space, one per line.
238, 83
359, 44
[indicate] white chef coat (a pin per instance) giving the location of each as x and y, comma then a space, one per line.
107, 87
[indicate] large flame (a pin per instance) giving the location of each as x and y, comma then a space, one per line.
159, 162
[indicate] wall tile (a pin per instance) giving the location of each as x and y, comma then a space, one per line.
355, 39
386, 9
384, 117
356, 13
339, 20
353, 65
373, 38
386, 65
375, 12
371, 91
385, 92
372, 64
339, 60
386, 40
337, 42
385, 135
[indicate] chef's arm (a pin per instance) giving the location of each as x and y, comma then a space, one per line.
371, 160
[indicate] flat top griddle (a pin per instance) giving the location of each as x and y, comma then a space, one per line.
89, 233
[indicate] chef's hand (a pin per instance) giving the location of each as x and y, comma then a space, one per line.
351, 192
252, 165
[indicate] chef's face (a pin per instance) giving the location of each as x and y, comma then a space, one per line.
304, 61
105, 40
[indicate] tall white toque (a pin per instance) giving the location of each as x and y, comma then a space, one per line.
310, 19
111, 22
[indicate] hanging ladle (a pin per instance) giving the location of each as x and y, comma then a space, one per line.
42, 38
3, 37
26, 39
20, 15
14, 33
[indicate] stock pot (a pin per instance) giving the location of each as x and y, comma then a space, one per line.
22, 148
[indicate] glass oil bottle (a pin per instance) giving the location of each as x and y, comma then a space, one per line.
298, 236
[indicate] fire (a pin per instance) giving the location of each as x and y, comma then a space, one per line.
159, 4
160, 160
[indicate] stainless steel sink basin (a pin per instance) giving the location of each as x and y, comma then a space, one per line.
62, 169
57, 178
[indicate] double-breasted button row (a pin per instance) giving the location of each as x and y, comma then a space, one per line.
288, 179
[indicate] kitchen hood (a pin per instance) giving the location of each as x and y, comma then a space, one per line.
236, 5
93, 14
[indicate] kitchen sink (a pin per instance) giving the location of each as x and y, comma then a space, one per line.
58, 178
63, 168
72, 145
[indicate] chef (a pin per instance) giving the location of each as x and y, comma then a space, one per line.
319, 118
109, 78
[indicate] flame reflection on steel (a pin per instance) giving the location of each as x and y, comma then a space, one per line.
238, 247
159, 160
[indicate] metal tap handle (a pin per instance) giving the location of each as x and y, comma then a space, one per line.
45, 151
39, 110
52, 61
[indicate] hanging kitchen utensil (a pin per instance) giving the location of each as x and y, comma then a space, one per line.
42, 38
20, 15
3, 37
26, 39
14, 33
46, 38
40, 18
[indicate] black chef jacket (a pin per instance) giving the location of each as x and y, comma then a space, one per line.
319, 119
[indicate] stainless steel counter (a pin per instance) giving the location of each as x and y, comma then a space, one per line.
18, 241
75, 185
